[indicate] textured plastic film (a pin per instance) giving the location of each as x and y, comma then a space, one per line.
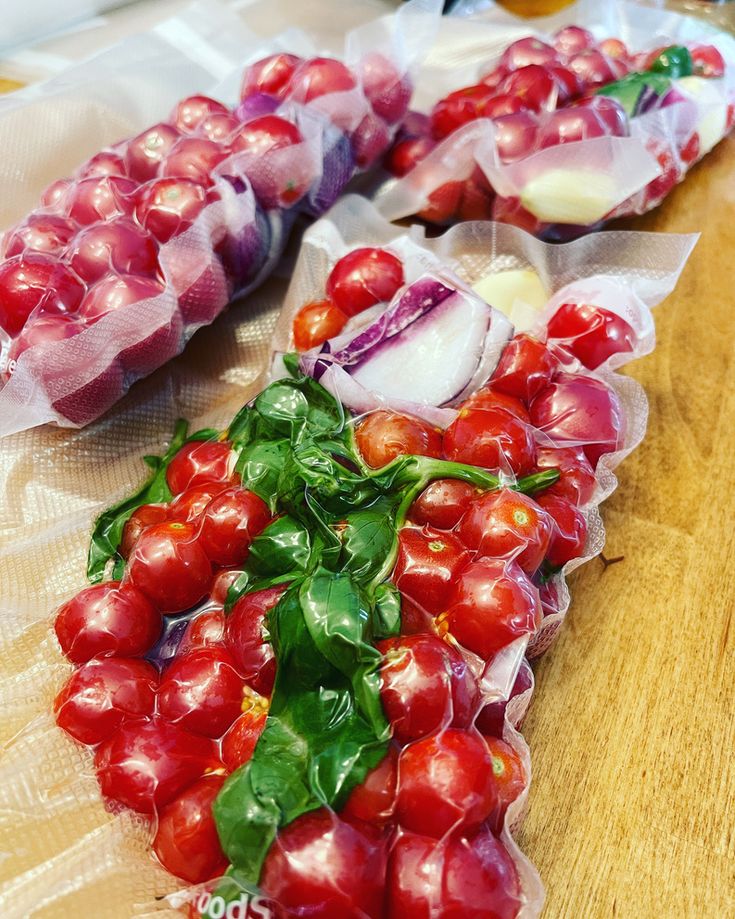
622, 176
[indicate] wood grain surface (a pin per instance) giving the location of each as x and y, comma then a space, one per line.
632, 728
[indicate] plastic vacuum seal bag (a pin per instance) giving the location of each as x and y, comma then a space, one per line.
591, 114
301, 661
150, 238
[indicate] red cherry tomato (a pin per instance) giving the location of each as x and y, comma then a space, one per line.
145, 152
198, 463
491, 718
382, 436
534, 86
592, 67
40, 330
277, 182
189, 506
265, 134
230, 523
527, 51
319, 76
204, 631
445, 782
321, 866
363, 278
507, 524
492, 604
170, 567
373, 801
246, 641
100, 198
115, 292
442, 205
576, 409
186, 841
509, 777
576, 481
459, 108
167, 207
104, 163
369, 140
47, 233
570, 39
191, 112
452, 878
414, 620
614, 48
570, 86
477, 197
408, 153
218, 127
201, 692
103, 693
223, 581
425, 685
515, 135
491, 397
107, 619
427, 566
270, 75
56, 194
525, 367
148, 762
492, 438
35, 282
442, 504
387, 90
315, 322
240, 741
592, 334
118, 245
707, 61
569, 532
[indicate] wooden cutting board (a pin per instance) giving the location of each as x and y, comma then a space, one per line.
632, 728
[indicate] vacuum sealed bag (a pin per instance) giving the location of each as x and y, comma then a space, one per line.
297, 674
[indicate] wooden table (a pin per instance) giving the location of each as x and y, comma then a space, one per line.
632, 728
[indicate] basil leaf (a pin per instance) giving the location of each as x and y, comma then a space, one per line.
387, 619
283, 546
367, 538
260, 466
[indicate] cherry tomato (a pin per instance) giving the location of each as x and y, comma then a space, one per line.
570, 85
265, 134
191, 112
458, 108
592, 67
197, 463
107, 619
592, 334
425, 685
571, 39
515, 135
189, 506
270, 75
527, 51
169, 206
170, 567
103, 693
442, 205
56, 194
445, 782
277, 182
509, 778
373, 801
145, 152
507, 524
576, 409
569, 532
39, 331
534, 86
186, 841
34, 281
319, 76
491, 718
441, 504
229, 524
490, 396
615, 48
201, 692
315, 322
427, 566
492, 438
492, 604
408, 153
525, 367
245, 636
457, 877
47, 233
100, 198
387, 90
205, 630
240, 741
218, 127
363, 278
118, 246
576, 480
104, 163
115, 292
414, 620
319, 865
369, 140
707, 61
382, 436
222, 582
148, 762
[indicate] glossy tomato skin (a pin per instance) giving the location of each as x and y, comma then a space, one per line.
186, 841
509, 776
206, 630
229, 524
507, 524
145, 152
197, 463
569, 531
223, 580
194, 158
170, 567
408, 153
315, 322
115, 292
425, 685
373, 801
141, 518
191, 112
35, 281
456, 878
492, 438
265, 134
201, 692
534, 85
311, 868
103, 693
100, 197
270, 75
39, 331
245, 636
189, 506
442, 504
492, 604
580, 410
48, 233
443, 204
319, 76
592, 334
238, 744
525, 367
382, 436
490, 396
119, 246
148, 762
363, 278
458, 108
576, 480
445, 782
167, 207
107, 619
427, 566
